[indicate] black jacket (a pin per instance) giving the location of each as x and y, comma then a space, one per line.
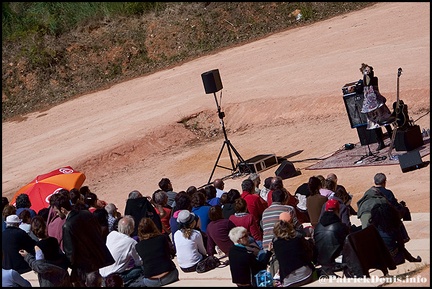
329, 237
13, 240
244, 265
142, 208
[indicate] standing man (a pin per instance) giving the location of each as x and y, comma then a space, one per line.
83, 242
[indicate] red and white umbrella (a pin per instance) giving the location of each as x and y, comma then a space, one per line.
41, 188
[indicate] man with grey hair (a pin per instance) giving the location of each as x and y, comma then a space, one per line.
122, 247
380, 181
255, 177
113, 215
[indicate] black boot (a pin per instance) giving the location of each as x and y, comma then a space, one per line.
380, 138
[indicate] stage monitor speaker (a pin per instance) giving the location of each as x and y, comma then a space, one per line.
410, 161
287, 170
366, 136
212, 81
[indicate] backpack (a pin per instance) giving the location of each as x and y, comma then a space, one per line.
207, 264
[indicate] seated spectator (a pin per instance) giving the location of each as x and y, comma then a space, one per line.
217, 232
26, 222
183, 202
166, 186
77, 199
244, 219
329, 237
102, 218
201, 208
315, 201
229, 208
389, 225
160, 202
188, 242
266, 188
255, 204
13, 240
113, 215
293, 254
301, 193
343, 193
256, 179
219, 186
244, 265
84, 190
211, 197
140, 207
155, 251
49, 246
22, 202
328, 189
122, 247
344, 212
5, 201
49, 275
7, 211
90, 200
272, 213
223, 199
54, 223
277, 183
365, 204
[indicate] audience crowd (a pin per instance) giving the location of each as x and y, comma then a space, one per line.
82, 241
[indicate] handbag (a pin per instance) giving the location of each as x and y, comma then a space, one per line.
207, 264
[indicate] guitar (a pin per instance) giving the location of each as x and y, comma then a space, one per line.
400, 109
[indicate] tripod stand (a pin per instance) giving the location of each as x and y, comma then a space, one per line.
231, 149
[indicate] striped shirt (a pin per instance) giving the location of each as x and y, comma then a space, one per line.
271, 216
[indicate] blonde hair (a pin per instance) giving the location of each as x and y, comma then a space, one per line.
284, 230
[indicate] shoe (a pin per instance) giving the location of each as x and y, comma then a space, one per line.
415, 260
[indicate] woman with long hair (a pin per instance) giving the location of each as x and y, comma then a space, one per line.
295, 266
154, 249
188, 242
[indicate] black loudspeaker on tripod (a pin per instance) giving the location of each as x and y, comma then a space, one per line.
212, 81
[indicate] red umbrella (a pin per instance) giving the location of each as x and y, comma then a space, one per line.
43, 186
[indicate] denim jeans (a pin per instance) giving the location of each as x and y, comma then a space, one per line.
172, 276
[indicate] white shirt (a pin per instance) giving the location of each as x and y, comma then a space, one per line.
122, 248
189, 251
219, 192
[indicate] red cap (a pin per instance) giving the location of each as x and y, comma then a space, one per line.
332, 205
